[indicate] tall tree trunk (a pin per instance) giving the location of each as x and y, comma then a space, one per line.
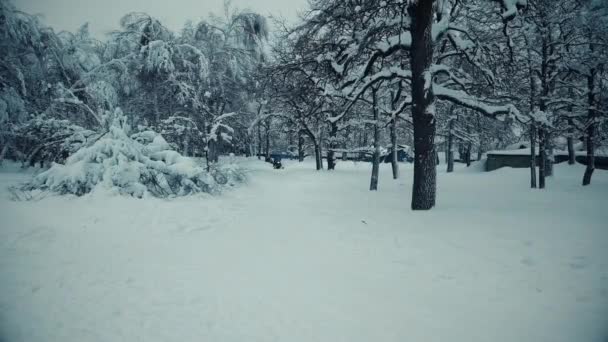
549, 155
318, 155
267, 140
591, 126
481, 140
373, 186
571, 152
533, 156
542, 157
331, 159
450, 151
468, 153
300, 146
423, 104
395, 150
259, 140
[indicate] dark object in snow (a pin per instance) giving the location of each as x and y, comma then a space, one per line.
512, 158
276, 162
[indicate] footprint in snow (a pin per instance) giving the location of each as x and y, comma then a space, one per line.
528, 261
578, 263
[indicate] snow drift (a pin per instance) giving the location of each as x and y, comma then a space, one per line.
136, 165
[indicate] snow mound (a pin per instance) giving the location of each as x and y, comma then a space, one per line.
136, 165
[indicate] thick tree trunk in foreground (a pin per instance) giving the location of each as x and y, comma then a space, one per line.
376, 157
423, 101
394, 155
533, 157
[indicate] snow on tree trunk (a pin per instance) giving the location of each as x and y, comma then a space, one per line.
423, 106
373, 186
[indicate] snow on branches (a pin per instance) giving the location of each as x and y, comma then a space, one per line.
138, 165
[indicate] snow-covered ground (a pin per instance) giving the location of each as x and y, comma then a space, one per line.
298, 255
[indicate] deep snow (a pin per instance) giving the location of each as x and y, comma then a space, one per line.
298, 255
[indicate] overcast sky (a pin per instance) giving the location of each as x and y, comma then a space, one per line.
103, 15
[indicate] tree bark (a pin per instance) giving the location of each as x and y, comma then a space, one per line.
331, 159
533, 157
468, 153
259, 140
450, 151
542, 158
318, 156
373, 186
591, 126
571, 152
267, 137
423, 104
300, 146
395, 151
549, 155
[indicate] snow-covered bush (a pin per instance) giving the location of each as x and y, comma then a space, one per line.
136, 165
44, 139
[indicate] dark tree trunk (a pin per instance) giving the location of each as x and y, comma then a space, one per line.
318, 156
549, 155
591, 127
331, 157
571, 152
267, 140
542, 158
300, 146
376, 157
533, 157
450, 151
395, 151
259, 140
423, 100
468, 153
481, 140
590, 156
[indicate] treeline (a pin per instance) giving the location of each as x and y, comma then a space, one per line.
359, 77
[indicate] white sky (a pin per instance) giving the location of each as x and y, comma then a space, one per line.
103, 15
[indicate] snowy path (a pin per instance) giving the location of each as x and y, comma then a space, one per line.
299, 256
